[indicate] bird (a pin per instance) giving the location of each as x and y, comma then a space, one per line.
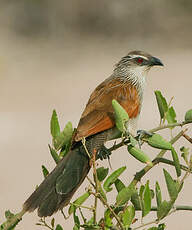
96, 126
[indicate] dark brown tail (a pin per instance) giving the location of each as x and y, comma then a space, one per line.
59, 186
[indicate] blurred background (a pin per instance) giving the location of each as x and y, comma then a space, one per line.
54, 53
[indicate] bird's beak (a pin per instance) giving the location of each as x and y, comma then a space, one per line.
155, 61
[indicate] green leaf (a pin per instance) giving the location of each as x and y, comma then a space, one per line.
68, 132
171, 185
119, 185
112, 178
164, 209
128, 215
58, 227
9, 215
162, 104
90, 221
54, 154
9, 218
108, 219
188, 115
146, 200
133, 141
161, 227
78, 202
136, 200
45, 171
179, 185
76, 227
176, 162
171, 115
90, 227
152, 193
101, 191
55, 128
157, 141
102, 173
64, 137
53, 222
121, 116
185, 154
76, 221
139, 155
125, 195
65, 149
158, 194
141, 191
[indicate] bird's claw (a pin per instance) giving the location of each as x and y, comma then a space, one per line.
141, 134
103, 153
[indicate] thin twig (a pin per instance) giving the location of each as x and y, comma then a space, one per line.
45, 224
177, 208
64, 216
187, 138
169, 162
81, 213
111, 210
81, 206
160, 127
143, 225
85, 147
90, 181
96, 186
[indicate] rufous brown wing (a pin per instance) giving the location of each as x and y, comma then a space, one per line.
99, 115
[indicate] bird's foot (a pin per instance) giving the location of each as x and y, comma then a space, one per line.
141, 134
103, 153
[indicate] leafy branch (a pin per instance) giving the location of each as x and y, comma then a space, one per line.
131, 196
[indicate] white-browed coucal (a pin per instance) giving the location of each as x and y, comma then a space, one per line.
96, 125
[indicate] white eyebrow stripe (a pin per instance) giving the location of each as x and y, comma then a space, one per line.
137, 56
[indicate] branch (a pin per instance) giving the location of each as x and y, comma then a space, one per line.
96, 186
187, 138
169, 162
142, 172
176, 208
111, 210
181, 124
161, 127
14, 220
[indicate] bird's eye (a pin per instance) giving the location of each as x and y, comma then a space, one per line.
139, 60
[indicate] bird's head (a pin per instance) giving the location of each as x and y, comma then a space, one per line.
136, 64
